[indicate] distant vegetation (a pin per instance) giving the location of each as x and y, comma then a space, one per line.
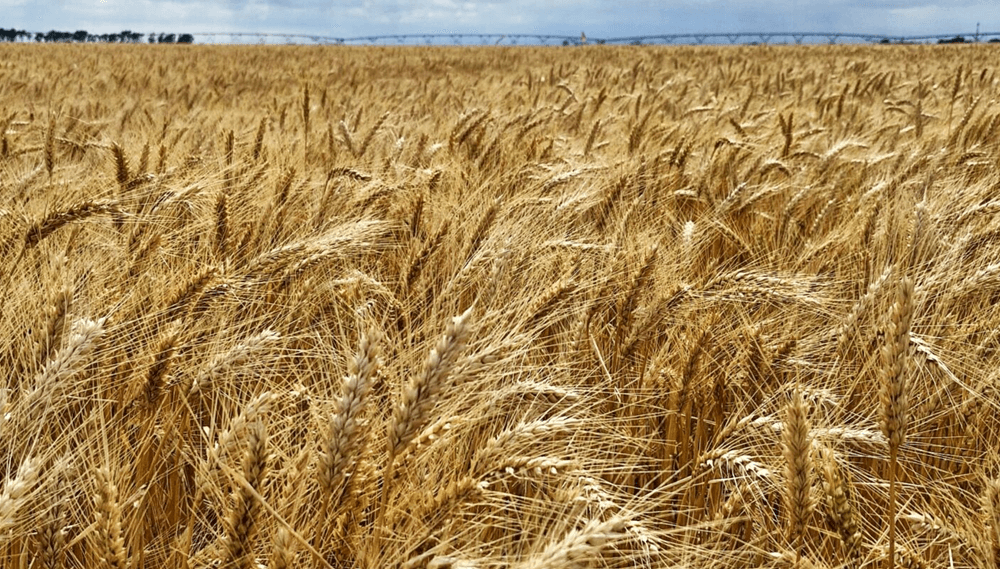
956, 39
81, 36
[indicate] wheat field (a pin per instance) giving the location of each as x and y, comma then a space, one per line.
363, 307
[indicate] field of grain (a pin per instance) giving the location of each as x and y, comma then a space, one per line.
499, 307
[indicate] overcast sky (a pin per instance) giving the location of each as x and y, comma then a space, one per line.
598, 18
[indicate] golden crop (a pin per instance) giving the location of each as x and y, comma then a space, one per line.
499, 307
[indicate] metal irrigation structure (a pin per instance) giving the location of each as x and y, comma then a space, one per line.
468, 39
545, 39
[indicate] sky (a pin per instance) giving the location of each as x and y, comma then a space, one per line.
598, 18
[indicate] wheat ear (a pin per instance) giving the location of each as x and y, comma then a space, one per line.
48, 338
345, 437
258, 142
50, 544
217, 455
893, 394
16, 492
234, 358
283, 555
108, 514
50, 146
579, 546
848, 328
371, 135
420, 395
420, 260
493, 452
241, 521
797, 441
122, 174
345, 132
838, 491
83, 338
162, 361
45, 227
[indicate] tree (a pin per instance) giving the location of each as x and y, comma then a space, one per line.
54, 36
185, 38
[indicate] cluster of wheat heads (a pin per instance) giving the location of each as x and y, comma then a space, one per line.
513, 307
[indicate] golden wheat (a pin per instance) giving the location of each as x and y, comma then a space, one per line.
231, 274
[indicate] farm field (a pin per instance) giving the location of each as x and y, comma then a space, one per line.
519, 307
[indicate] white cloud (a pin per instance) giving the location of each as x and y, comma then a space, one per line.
599, 18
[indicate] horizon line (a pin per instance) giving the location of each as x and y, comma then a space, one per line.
582, 39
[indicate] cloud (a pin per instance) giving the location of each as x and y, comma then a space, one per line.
599, 18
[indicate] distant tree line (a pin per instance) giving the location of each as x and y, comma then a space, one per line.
956, 39
961, 39
13, 35
81, 36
